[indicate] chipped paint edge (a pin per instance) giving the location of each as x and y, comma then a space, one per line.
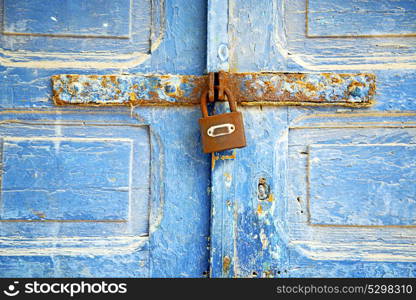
71, 246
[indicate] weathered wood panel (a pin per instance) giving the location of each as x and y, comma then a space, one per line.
360, 18
42, 179
376, 187
339, 40
320, 191
66, 18
169, 236
75, 34
70, 186
273, 36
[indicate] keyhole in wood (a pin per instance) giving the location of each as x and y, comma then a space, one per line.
263, 189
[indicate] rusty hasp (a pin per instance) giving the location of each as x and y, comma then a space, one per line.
265, 88
301, 88
127, 89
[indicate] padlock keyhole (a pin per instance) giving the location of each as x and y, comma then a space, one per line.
221, 129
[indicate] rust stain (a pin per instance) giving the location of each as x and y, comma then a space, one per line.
259, 209
226, 262
113, 79
268, 274
104, 82
230, 156
133, 96
55, 96
73, 78
336, 79
296, 88
311, 87
355, 84
153, 95
296, 103
248, 88
228, 177
214, 158
40, 214
327, 75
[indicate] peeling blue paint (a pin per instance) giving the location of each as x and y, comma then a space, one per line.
284, 235
346, 211
167, 236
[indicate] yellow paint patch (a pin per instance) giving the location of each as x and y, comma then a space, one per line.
226, 262
40, 214
214, 158
228, 176
232, 156
259, 209
264, 240
133, 96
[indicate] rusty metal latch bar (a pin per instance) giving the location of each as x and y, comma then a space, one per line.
264, 88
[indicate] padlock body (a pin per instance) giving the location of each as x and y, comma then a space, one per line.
222, 132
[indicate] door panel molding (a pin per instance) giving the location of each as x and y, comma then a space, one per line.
140, 37
283, 40
348, 240
41, 235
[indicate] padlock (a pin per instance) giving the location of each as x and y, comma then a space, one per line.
224, 131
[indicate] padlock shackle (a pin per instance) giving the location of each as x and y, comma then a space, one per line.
230, 98
204, 108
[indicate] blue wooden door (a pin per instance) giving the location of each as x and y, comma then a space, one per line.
113, 191
320, 191
100, 192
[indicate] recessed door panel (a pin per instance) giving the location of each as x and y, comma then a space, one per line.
82, 34
337, 18
362, 184
351, 183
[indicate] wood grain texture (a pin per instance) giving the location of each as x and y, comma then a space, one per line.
364, 195
383, 42
167, 236
63, 18
279, 40
337, 18
74, 35
257, 200
339, 196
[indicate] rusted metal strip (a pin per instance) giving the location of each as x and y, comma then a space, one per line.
302, 88
247, 88
127, 89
